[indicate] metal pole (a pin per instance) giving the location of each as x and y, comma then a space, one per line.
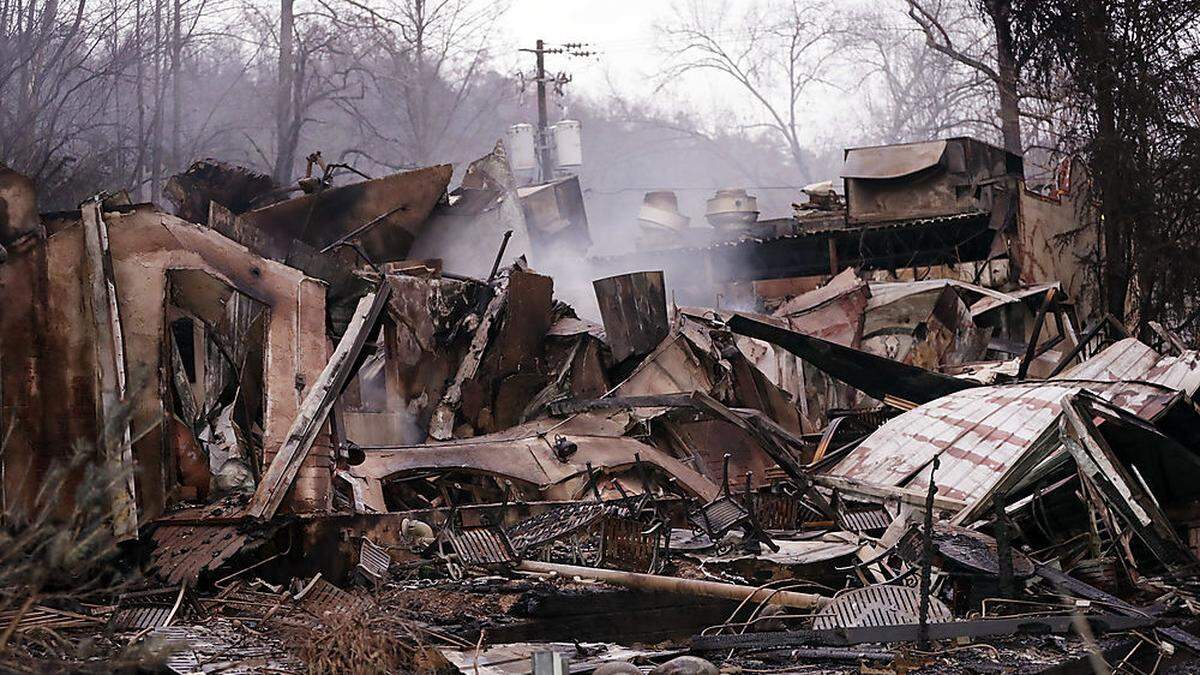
654, 582
363, 228
1003, 548
927, 561
499, 256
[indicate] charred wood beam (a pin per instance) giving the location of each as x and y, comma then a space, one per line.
1038, 322
1121, 489
885, 492
1003, 546
318, 403
927, 560
1092, 330
441, 424
1064, 583
499, 256
1048, 345
1169, 338
1117, 327
111, 375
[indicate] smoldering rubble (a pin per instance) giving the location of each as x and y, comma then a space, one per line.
354, 426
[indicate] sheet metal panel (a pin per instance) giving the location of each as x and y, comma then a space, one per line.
1177, 372
978, 433
1128, 359
879, 606
1131, 359
892, 161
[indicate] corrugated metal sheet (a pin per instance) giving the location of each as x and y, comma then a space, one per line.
887, 292
880, 605
182, 552
192, 540
978, 433
1131, 359
999, 299
221, 647
1177, 372
828, 546
322, 599
832, 312
481, 546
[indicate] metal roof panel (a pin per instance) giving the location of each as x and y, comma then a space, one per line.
978, 433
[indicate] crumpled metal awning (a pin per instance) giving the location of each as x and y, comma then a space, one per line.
892, 161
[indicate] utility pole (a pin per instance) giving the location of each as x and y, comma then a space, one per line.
545, 160
545, 157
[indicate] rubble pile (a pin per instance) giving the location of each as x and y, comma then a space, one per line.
357, 430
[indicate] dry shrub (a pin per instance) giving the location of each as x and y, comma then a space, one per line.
360, 640
62, 555
58, 557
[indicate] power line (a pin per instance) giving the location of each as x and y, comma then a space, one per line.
608, 46
688, 188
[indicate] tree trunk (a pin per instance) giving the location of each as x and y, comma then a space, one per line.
176, 89
156, 123
1107, 153
797, 153
140, 74
1000, 12
285, 149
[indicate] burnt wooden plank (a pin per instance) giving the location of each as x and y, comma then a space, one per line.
101, 300
316, 407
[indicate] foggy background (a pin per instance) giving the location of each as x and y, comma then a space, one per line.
690, 96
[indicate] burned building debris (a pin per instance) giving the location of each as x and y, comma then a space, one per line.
357, 420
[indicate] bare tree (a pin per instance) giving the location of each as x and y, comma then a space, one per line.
996, 60
777, 52
317, 72
1126, 76
425, 66
121, 94
58, 70
909, 91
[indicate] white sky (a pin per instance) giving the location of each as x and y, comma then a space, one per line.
631, 59
624, 32
621, 29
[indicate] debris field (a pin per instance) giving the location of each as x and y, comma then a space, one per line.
356, 426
